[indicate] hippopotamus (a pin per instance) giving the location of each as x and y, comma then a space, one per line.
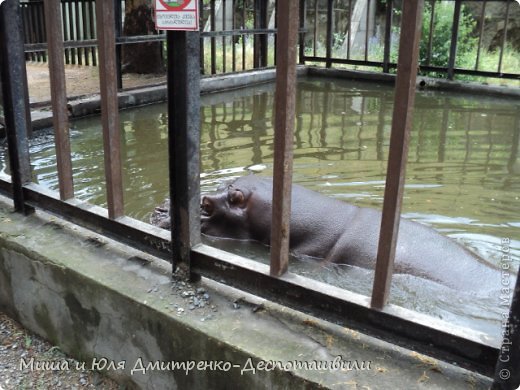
161, 215
335, 231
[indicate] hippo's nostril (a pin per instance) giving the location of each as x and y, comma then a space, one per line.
206, 206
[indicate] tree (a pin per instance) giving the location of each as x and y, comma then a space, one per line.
141, 57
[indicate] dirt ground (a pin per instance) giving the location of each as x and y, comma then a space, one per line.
29, 362
80, 80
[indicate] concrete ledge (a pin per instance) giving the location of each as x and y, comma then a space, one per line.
426, 83
118, 309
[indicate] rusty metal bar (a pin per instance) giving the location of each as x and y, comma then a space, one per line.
16, 99
285, 98
59, 97
399, 139
454, 39
184, 145
507, 373
109, 106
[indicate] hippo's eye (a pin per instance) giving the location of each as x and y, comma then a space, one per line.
236, 197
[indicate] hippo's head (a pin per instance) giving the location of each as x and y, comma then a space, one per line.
239, 210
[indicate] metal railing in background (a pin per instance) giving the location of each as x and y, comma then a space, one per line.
240, 35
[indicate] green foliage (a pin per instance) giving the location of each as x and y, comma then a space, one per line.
441, 34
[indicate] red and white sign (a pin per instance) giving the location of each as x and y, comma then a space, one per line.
177, 15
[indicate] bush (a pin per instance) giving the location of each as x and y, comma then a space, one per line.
441, 34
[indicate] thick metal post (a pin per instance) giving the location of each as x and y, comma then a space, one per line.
16, 99
454, 39
401, 124
285, 100
52, 11
109, 106
184, 145
507, 371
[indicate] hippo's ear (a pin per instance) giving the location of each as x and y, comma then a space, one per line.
236, 197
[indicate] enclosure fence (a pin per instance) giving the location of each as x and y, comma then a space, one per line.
459, 38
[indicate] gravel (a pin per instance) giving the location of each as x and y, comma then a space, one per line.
29, 362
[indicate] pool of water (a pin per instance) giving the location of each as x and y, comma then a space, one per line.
463, 175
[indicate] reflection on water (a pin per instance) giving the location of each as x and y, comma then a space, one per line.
463, 176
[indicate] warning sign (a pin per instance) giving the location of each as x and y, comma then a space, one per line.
177, 15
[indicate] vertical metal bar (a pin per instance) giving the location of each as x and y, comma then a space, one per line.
243, 36
201, 23
93, 33
399, 139
79, 36
85, 36
481, 32
224, 52
65, 29
367, 22
349, 28
40, 28
213, 43
430, 36
284, 128
504, 38
260, 45
233, 37
118, 12
71, 30
454, 39
315, 38
59, 97
388, 36
184, 145
109, 106
330, 23
303, 22
16, 99
507, 374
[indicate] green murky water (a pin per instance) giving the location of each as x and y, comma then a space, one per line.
463, 175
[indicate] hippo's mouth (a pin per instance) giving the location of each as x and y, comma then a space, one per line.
206, 208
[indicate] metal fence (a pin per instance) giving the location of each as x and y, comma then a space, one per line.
365, 34
240, 35
401, 326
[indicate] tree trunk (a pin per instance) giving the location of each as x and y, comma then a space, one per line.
141, 57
